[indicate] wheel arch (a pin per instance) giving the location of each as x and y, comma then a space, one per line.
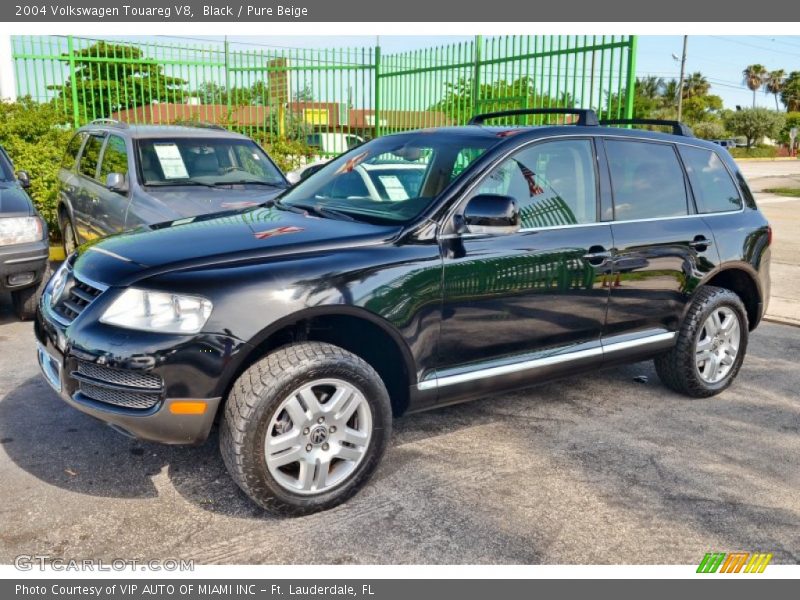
355, 329
742, 279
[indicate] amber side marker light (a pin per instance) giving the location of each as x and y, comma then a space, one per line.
187, 408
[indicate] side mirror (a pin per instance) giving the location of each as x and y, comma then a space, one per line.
492, 214
308, 172
24, 179
116, 182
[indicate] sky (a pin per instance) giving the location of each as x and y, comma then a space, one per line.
720, 58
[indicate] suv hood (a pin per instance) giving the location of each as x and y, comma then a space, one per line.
13, 199
199, 200
214, 239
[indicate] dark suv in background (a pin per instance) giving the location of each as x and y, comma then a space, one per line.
116, 177
24, 249
519, 254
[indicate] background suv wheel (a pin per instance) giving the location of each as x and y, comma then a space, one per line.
305, 428
711, 345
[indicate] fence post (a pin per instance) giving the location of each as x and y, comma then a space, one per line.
631, 87
70, 51
476, 77
227, 83
377, 103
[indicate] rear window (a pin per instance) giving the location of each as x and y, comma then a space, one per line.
71, 154
714, 190
91, 156
647, 180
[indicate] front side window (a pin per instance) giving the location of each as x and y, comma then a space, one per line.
714, 190
554, 183
205, 161
391, 179
647, 180
91, 156
115, 158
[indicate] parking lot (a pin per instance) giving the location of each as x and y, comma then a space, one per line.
603, 468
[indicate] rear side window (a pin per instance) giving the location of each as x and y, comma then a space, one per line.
554, 183
91, 156
647, 180
714, 190
115, 158
71, 155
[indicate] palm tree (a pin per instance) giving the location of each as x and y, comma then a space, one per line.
670, 93
650, 86
695, 85
753, 76
774, 83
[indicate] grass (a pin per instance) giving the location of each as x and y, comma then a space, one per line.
785, 191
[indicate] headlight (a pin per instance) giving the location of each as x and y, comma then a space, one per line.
158, 311
20, 230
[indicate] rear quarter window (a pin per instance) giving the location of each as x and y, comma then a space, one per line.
712, 185
647, 180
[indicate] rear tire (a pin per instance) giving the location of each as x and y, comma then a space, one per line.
711, 345
25, 300
305, 428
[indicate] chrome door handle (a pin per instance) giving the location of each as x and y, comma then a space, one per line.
700, 241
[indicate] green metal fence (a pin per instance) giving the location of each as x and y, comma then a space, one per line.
331, 98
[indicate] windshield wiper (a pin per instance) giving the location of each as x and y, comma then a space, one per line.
323, 211
179, 182
247, 182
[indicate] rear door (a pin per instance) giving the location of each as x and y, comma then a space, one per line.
109, 213
661, 245
533, 302
68, 175
88, 189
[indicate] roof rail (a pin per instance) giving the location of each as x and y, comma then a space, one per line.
112, 122
678, 128
204, 125
586, 116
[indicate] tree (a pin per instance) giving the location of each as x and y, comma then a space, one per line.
790, 94
773, 84
753, 77
695, 85
755, 123
709, 130
113, 77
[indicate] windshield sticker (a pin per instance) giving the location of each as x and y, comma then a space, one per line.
394, 187
171, 161
263, 235
352, 163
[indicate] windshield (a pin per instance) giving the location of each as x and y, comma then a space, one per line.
390, 179
205, 161
6, 170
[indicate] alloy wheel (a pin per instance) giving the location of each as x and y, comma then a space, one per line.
717, 345
318, 436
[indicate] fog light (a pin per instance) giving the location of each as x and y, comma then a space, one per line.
21, 278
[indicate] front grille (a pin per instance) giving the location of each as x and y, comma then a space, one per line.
125, 399
76, 297
120, 376
118, 387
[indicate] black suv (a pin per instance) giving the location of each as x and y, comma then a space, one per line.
24, 250
492, 258
117, 177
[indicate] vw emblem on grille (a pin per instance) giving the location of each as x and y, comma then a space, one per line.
318, 435
59, 284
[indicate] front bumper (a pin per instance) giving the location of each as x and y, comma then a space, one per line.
189, 369
20, 260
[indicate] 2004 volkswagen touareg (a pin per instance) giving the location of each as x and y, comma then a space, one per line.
516, 254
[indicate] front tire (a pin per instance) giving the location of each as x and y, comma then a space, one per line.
711, 345
305, 428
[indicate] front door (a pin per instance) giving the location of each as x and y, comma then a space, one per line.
534, 301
